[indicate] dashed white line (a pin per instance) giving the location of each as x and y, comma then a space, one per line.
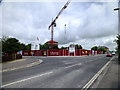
73, 65
68, 62
78, 70
43, 57
89, 61
26, 79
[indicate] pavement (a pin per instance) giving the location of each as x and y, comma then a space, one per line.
20, 63
110, 78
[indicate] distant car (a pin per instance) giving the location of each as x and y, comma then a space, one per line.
109, 55
113, 53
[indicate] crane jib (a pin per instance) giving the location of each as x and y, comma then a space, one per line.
64, 7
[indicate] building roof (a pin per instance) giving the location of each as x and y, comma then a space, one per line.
52, 42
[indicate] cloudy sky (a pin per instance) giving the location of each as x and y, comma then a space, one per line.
87, 23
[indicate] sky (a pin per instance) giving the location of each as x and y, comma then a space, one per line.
87, 23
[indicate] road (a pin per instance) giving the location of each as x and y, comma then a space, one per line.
56, 72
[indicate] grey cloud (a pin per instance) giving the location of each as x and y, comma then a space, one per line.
98, 21
85, 21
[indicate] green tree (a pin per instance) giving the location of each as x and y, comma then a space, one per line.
63, 47
28, 47
10, 45
118, 45
48, 46
44, 46
95, 48
102, 49
55, 47
78, 46
22, 46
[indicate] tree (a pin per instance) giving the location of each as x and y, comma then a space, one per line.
63, 47
44, 46
22, 46
55, 47
78, 46
10, 45
28, 47
48, 46
102, 49
95, 48
118, 45
9, 48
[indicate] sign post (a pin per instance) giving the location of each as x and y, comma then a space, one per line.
72, 49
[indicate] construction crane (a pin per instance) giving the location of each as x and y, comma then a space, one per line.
53, 23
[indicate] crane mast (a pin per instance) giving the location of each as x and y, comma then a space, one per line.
53, 23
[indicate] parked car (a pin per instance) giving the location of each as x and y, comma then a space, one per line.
109, 54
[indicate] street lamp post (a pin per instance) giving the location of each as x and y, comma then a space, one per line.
118, 9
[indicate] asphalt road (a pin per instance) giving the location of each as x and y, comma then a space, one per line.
55, 72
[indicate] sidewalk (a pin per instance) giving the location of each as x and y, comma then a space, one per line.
110, 79
17, 63
20, 63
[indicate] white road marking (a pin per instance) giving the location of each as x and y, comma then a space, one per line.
68, 62
89, 61
26, 79
73, 65
96, 75
64, 61
43, 57
78, 70
40, 60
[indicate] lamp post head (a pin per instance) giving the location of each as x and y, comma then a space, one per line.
116, 9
